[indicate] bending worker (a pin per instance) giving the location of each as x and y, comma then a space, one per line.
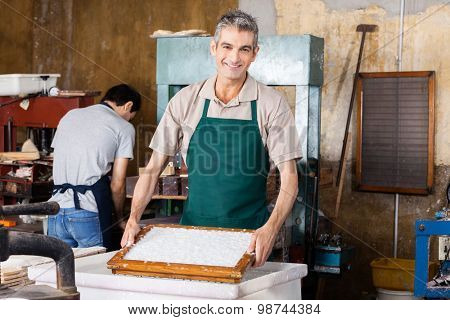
227, 128
87, 143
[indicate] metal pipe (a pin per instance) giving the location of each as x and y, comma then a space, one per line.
396, 224
9, 136
39, 208
399, 68
23, 243
400, 39
314, 210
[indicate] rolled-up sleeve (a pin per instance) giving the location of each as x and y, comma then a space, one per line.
283, 141
168, 135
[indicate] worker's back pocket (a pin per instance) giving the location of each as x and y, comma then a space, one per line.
84, 226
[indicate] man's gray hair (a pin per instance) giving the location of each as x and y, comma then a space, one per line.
240, 20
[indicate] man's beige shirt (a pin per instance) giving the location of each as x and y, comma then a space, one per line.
184, 111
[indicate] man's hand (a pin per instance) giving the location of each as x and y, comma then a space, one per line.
263, 238
131, 230
142, 195
262, 242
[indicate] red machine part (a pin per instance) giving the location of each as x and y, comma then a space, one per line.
42, 112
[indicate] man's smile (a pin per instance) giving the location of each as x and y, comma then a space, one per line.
232, 66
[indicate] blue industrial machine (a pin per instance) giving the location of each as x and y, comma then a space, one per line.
439, 287
290, 60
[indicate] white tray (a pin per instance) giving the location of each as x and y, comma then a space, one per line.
23, 84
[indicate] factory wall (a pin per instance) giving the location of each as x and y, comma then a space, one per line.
366, 219
16, 47
95, 44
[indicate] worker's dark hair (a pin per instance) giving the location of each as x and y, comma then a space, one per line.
240, 20
123, 93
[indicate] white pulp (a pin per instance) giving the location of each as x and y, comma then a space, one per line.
191, 246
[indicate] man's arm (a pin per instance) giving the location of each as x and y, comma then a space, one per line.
142, 195
118, 184
263, 238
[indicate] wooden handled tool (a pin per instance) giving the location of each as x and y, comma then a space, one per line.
364, 28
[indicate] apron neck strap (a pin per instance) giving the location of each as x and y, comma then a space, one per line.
254, 112
205, 108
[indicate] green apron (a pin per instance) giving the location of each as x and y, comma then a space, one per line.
227, 168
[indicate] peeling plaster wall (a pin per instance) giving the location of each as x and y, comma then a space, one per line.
391, 7
366, 219
52, 39
264, 12
426, 40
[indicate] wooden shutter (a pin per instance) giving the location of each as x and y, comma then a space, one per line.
395, 146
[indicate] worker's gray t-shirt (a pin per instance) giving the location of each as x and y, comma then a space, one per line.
85, 145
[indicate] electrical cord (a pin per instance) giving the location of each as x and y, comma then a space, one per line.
32, 95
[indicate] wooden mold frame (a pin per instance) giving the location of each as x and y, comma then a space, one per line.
119, 265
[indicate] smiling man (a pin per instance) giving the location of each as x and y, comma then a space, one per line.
229, 128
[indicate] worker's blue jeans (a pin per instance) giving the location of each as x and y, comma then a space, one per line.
77, 227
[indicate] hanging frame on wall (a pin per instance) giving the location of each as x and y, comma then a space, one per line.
395, 137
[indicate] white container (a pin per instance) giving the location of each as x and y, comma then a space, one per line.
384, 294
23, 84
95, 282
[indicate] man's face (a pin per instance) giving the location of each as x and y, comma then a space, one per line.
234, 53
